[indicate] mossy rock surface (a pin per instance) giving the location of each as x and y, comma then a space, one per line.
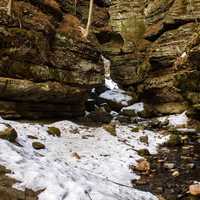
174, 140
135, 129
9, 134
143, 152
144, 139
42, 50
111, 128
54, 131
38, 145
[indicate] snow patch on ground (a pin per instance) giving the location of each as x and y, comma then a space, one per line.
110, 84
137, 107
133, 138
104, 161
176, 120
3, 127
117, 95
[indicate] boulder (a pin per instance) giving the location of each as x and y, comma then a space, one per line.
9, 134
54, 131
194, 189
38, 145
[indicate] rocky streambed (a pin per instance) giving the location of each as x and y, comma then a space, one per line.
174, 168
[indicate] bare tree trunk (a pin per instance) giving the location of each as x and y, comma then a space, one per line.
89, 18
10, 7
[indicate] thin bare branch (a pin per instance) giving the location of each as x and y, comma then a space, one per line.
10, 7
89, 18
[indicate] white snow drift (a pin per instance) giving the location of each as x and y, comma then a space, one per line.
118, 96
99, 172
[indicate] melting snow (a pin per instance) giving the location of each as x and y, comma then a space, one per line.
104, 161
133, 138
110, 84
114, 93
137, 107
176, 120
117, 96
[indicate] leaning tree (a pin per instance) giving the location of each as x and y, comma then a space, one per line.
84, 31
89, 18
10, 7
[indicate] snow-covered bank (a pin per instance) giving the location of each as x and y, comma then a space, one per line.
110, 84
98, 172
117, 95
133, 139
176, 120
137, 107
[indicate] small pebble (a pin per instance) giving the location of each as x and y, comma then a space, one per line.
176, 173
194, 189
38, 145
169, 165
143, 166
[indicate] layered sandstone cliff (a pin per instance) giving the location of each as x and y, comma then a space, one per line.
157, 55
46, 66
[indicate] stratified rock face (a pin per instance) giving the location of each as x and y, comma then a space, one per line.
46, 66
163, 67
127, 21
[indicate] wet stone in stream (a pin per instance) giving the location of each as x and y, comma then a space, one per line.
173, 170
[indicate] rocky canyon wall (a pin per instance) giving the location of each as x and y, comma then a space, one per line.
46, 66
155, 51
